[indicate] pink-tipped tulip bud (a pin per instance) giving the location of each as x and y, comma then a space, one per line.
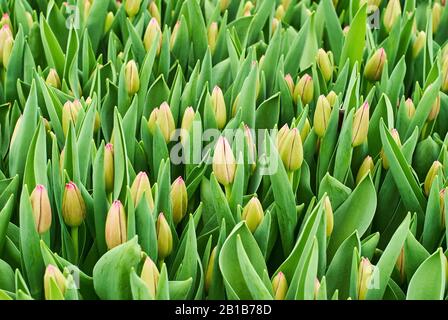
116, 225
7, 50
73, 206
280, 286
152, 33
179, 199
40, 203
141, 186
53, 274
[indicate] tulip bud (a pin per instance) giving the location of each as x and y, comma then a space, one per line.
248, 6
442, 206
291, 151
70, 112
139, 187
321, 116
174, 34
279, 286
304, 90
316, 288
210, 266
328, 215
435, 109
212, 36
401, 266
116, 230
290, 83
251, 148
345, 30
410, 108
165, 121
436, 16
53, 273
16, 130
431, 175
445, 76
109, 167
374, 66
86, 9
53, 79
150, 275
360, 125
331, 97
132, 7
253, 214
396, 137
152, 121
365, 274
324, 63
187, 121
224, 4
7, 49
391, 14
29, 19
6, 21
280, 12
367, 166
164, 237
40, 203
132, 78
73, 206
224, 164
154, 11
109, 21
179, 199
419, 43
305, 130
274, 25
219, 107
5, 32
152, 32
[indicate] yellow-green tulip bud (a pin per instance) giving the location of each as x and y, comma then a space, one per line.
322, 116
253, 214
210, 266
304, 90
280, 12
152, 32
116, 225
396, 137
132, 7
331, 97
174, 34
29, 19
224, 163
366, 167
328, 216
279, 286
305, 130
410, 108
219, 107
436, 16
251, 148
324, 63
53, 79
152, 121
291, 151
224, 4
248, 6
7, 49
164, 237
73, 206
52, 273
154, 11
132, 78
212, 36
274, 25
179, 199
109, 21
442, 206
391, 14
70, 112
445, 75
187, 121
109, 167
375, 65
419, 43
290, 83
435, 109
365, 273
431, 175
40, 203
141, 186
360, 125
165, 121
150, 275
281, 135
5, 33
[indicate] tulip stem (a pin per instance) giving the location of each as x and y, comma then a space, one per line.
290, 176
75, 243
228, 190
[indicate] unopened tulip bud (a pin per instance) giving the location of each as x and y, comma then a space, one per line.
410, 108
40, 203
132, 7
154, 11
324, 63
290, 83
212, 36
391, 14
52, 273
219, 107
116, 230
152, 121
251, 148
174, 34
291, 151
86, 9
279, 286
280, 12
109, 167
442, 206
6, 21
70, 112
224, 163
321, 116
396, 137
53, 79
248, 6
431, 175
7, 49
132, 78
224, 4
187, 121
150, 275
179, 199
274, 25
164, 237
419, 43
445, 75
165, 121
109, 21
29, 19
435, 109
374, 66
73, 206
360, 125
281, 135
316, 288
141, 186
210, 266
328, 216
152, 32
366, 167
305, 130
304, 90
365, 273
401, 266
5, 32
253, 214
436, 16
